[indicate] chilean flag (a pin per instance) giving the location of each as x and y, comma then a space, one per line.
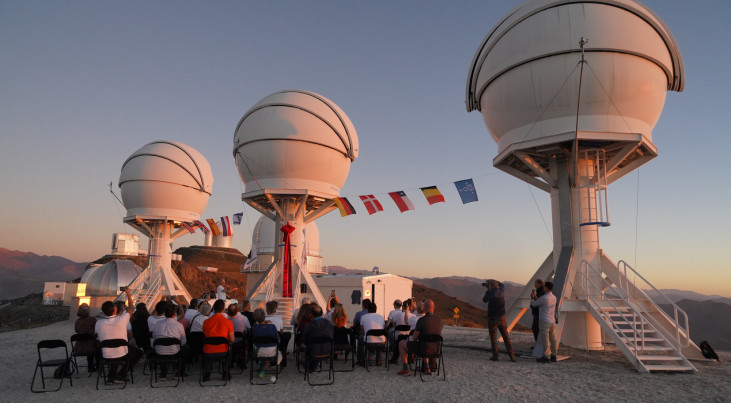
402, 201
371, 204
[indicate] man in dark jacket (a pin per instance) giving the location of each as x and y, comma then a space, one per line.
319, 327
537, 293
495, 298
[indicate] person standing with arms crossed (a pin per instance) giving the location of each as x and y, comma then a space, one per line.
547, 323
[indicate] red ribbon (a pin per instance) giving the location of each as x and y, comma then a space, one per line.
287, 270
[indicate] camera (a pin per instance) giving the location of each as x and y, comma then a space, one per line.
122, 288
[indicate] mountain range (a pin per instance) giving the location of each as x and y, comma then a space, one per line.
23, 273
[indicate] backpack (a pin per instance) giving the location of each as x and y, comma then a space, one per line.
707, 351
64, 370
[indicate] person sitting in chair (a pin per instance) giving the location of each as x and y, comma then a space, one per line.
263, 329
217, 326
171, 328
114, 326
319, 327
371, 321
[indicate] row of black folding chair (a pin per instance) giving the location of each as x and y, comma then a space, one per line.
49, 356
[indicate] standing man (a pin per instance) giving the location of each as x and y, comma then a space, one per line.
495, 298
221, 290
537, 293
547, 323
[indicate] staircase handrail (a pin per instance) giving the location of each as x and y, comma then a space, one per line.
626, 298
265, 283
676, 309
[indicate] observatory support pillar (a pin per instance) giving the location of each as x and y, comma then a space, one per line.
573, 244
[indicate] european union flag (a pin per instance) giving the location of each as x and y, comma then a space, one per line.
467, 191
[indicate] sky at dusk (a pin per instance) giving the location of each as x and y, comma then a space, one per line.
83, 84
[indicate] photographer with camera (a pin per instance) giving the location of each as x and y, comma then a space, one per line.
495, 298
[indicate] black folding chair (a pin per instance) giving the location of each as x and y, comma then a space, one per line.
345, 345
320, 349
238, 351
108, 366
429, 347
222, 361
81, 343
164, 360
195, 341
259, 362
375, 347
45, 348
400, 332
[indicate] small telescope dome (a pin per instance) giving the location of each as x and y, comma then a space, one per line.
295, 139
166, 180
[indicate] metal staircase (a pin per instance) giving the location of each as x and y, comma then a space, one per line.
636, 325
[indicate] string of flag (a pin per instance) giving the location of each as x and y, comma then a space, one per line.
465, 188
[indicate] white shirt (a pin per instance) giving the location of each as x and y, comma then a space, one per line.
547, 307
397, 317
372, 321
196, 325
221, 292
190, 314
114, 327
169, 327
276, 320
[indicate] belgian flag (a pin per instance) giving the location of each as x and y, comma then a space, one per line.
433, 195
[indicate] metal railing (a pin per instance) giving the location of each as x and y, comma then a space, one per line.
265, 284
638, 332
677, 311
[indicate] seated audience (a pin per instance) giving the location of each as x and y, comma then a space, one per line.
171, 328
319, 327
217, 326
261, 328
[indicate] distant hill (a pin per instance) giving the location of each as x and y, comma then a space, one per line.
706, 321
468, 289
679, 295
343, 270
24, 273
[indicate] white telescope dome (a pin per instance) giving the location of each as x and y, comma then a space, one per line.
166, 179
295, 140
106, 279
524, 77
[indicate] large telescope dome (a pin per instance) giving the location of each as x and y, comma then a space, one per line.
524, 76
295, 140
166, 180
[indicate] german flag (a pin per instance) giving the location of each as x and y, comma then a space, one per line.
433, 195
344, 206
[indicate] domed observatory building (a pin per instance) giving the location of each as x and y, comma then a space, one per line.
570, 91
163, 184
293, 151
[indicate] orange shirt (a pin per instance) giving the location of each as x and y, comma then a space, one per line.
217, 326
